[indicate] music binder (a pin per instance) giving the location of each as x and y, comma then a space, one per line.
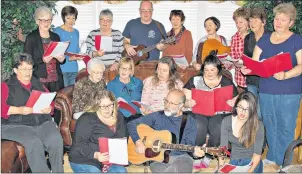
56, 49
210, 102
268, 67
116, 148
39, 100
124, 105
103, 42
76, 56
229, 168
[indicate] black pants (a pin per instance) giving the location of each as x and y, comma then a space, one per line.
208, 125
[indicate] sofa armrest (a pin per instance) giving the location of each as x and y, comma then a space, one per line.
63, 102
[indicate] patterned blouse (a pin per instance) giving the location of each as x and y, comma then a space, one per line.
237, 46
51, 66
153, 96
84, 90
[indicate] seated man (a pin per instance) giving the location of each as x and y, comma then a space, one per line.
86, 87
36, 132
170, 119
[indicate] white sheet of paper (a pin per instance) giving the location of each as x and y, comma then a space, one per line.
60, 49
43, 102
106, 43
181, 61
118, 151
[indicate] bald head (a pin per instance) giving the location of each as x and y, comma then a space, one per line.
146, 5
176, 96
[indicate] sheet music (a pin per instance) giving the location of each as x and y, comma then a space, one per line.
43, 102
60, 49
106, 43
118, 151
181, 60
229, 168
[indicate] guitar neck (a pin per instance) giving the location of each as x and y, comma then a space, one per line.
148, 49
179, 147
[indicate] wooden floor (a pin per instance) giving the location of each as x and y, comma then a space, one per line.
213, 164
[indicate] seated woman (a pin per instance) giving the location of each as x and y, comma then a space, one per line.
110, 58
102, 119
211, 25
245, 133
126, 86
211, 78
86, 87
184, 40
156, 87
36, 132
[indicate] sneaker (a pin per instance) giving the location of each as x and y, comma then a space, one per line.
266, 161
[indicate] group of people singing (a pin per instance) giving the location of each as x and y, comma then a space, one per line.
263, 108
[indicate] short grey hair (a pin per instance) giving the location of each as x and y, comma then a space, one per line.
42, 11
288, 9
106, 12
95, 61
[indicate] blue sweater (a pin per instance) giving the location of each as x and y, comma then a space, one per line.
130, 91
159, 121
73, 37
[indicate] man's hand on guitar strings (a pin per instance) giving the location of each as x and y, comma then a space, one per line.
130, 51
198, 152
140, 147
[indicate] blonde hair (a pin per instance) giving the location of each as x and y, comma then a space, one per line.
128, 61
242, 12
95, 103
288, 9
42, 11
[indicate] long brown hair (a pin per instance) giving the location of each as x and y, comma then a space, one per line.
95, 103
248, 132
173, 75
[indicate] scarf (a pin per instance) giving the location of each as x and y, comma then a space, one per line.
178, 36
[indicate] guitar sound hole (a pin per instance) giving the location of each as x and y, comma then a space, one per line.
156, 146
139, 53
149, 153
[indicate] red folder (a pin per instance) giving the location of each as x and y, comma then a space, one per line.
127, 107
210, 102
34, 96
97, 42
76, 55
51, 48
270, 66
227, 168
122, 158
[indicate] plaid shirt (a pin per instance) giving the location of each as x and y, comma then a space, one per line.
237, 45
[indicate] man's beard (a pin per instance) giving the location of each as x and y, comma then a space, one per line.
170, 113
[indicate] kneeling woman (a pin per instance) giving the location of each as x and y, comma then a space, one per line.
245, 133
102, 119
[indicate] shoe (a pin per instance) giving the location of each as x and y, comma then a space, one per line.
266, 161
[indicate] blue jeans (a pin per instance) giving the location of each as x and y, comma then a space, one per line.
255, 90
279, 118
86, 168
246, 161
69, 78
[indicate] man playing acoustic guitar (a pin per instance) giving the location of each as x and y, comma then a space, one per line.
144, 30
171, 119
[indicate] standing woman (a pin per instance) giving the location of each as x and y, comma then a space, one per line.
109, 58
280, 95
211, 25
245, 133
184, 40
66, 32
46, 69
102, 119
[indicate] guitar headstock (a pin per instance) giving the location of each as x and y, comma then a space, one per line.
216, 151
169, 40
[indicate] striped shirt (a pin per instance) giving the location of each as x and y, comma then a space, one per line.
117, 46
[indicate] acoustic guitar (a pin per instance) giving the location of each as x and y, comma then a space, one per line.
142, 52
157, 142
206, 47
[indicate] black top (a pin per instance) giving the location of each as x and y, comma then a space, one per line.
85, 140
34, 46
249, 45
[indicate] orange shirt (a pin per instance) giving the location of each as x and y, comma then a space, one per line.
183, 47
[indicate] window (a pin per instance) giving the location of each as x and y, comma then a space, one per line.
195, 11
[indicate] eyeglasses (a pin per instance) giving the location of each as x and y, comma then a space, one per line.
241, 109
170, 103
23, 70
45, 20
98, 72
110, 106
146, 11
106, 21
